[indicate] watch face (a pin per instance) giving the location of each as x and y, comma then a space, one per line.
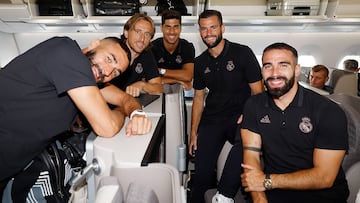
267, 184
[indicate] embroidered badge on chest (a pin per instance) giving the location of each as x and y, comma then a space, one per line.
207, 70
178, 59
230, 66
139, 68
305, 126
161, 60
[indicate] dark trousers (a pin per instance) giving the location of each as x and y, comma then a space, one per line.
230, 181
211, 138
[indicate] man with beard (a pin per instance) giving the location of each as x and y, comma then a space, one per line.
142, 75
301, 135
174, 55
43, 89
231, 73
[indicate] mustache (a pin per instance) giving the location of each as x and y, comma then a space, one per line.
102, 76
276, 78
208, 36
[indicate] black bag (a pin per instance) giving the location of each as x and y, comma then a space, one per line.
52, 171
116, 7
55, 7
177, 5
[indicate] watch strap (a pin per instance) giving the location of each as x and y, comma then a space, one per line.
162, 71
267, 182
137, 112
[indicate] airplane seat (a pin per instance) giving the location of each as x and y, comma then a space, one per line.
351, 162
222, 159
335, 75
304, 74
353, 178
157, 181
357, 200
239, 198
109, 190
350, 104
344, 82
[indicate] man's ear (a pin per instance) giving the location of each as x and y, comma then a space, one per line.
93, 44
297, 70
126, 33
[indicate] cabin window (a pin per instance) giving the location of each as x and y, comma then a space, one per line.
259, 59
307, 60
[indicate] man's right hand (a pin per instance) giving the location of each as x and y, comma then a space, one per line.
138, 125
192, 144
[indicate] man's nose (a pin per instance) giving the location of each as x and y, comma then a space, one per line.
275, 70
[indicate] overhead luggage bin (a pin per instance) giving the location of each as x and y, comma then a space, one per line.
293, 7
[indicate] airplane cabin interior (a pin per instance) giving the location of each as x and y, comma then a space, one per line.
323, 31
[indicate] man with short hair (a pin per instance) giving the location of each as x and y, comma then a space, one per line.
43, 89
351, 65
174, 55
300, 135
319, 75
231, 73
142, 75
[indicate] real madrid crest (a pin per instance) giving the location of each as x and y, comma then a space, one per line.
161, 60
305, 126
178, 59
139, 68
230, 66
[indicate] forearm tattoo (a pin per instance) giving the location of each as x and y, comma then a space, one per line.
255, 149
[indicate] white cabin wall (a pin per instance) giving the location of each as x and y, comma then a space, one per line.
8, 48
28, 40
327, 48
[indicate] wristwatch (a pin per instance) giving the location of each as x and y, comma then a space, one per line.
162, 71
137, 112
267, 182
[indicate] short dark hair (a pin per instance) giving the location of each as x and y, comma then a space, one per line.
282, 45
320, 67
122, 44
170, 14
351, 64
209, 13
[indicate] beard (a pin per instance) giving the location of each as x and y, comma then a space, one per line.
280, 91
217, 41
101, 75
90, 55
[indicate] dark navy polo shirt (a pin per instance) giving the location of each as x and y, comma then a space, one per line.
289, 136
184, 53
34, 104
143, 67
227, 77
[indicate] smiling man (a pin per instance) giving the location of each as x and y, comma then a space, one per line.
174, 55
294, 139
231, 73
43, 89
142, 75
